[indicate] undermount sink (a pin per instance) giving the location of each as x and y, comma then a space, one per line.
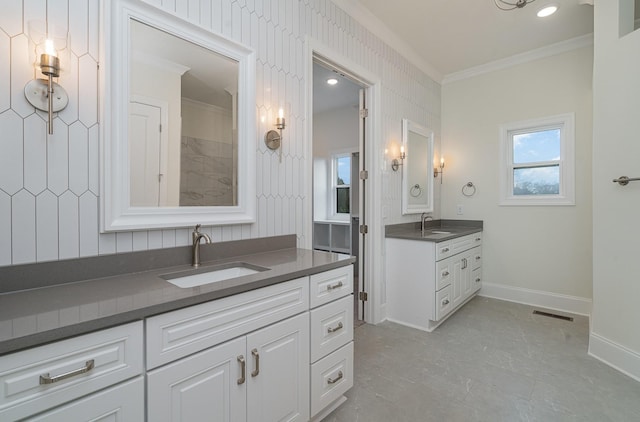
439, 232
214, 274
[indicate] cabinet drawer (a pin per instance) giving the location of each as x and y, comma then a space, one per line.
476, 258
331, 327
443, 250
179, 333
477, 238
476, 279
38, 379
444, 273
124, 402
331, 285
444, 302
331, 377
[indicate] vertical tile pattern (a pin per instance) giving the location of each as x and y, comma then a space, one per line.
37, 170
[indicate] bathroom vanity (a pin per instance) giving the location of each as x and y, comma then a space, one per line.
271, 345
432, 274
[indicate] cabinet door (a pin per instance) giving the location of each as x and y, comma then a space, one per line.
278, 371
124, 402
467, 285
458, 279
210, 385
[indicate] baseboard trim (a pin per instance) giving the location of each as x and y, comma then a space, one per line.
557, 302
617, 356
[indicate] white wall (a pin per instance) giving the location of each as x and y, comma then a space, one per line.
547, 249
334, 131
615, 327
49, 186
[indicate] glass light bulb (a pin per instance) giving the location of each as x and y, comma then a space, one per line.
281, 113
49, 48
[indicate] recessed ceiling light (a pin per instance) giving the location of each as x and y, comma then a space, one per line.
548, 10
332, 81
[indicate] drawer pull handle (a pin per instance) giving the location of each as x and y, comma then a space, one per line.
46, 379
336, 379
445, 250
243, 369
445, 302
478, 239
335, 286
256, 356
445, 273
338, 327
478, 258
478, 280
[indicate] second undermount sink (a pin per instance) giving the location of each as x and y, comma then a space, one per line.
213, 274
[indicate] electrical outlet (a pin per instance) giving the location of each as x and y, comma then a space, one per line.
459, 209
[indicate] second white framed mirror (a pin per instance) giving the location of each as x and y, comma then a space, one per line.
417, 168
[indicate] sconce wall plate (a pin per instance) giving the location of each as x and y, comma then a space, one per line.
272, 139
36, 92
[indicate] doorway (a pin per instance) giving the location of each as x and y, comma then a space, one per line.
338, 116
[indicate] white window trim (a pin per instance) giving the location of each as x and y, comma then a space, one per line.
566, 123
334, 186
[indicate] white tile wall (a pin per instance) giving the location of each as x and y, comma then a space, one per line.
49, 185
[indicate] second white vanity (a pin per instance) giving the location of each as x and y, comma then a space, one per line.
432, 275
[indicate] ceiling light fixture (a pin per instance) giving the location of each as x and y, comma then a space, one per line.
332, 81
510, 5
548, 10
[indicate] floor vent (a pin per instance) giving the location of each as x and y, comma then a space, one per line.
566, 318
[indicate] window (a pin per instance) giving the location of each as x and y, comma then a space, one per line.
537, 166
341, 182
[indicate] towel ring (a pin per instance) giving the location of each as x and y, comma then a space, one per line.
469, 189
415, 190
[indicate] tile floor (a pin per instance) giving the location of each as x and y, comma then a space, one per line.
491, 361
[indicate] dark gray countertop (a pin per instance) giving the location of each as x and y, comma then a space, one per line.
450, 228
40, 315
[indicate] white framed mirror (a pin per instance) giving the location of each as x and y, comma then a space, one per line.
417, 168
178, 122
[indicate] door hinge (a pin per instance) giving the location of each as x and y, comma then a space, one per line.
364, 229
160, 127
363, 296
364, 175
364, 113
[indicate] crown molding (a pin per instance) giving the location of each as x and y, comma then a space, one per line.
529, 56
364, 16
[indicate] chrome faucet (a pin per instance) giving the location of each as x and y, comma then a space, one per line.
423, 218
197, 236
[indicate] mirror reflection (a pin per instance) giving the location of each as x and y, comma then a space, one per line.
183, 138
417, 170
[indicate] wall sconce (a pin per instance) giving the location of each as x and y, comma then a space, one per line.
437, 172
273, 138
397, 162
44, 94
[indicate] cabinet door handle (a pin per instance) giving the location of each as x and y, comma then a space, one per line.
335, 286
445, 273
464, 263
336, 379
336, 328
47, 379
256, 356
445, 302
243, 369
444, 250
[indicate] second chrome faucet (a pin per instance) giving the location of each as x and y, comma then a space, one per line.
197, 237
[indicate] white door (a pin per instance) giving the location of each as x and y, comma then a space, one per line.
124, 402
208, 386
278, 371
144, 154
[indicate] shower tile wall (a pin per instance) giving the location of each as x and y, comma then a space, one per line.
49, 185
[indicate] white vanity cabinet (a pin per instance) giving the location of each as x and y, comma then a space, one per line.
79, 379
279, 353
427, 281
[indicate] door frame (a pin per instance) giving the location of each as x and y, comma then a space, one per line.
373, 261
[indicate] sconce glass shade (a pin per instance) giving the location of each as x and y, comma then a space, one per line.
46, 44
